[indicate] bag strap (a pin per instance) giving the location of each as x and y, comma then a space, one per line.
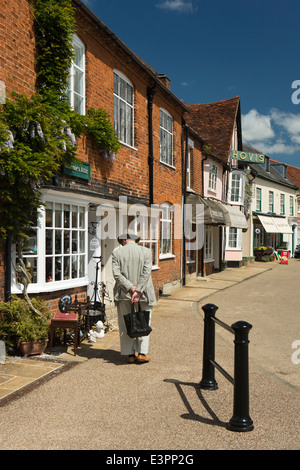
133, 306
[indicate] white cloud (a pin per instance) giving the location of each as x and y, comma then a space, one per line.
289, 122
180, 6
257, 126
276, 148
275, 133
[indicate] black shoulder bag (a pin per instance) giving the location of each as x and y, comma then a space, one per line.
137, 322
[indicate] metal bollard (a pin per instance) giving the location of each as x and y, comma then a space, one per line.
241, 420
208, 381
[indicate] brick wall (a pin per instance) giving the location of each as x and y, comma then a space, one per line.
129, 174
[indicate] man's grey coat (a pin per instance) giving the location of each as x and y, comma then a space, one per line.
131, 265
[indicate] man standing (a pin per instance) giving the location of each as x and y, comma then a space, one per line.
131, 265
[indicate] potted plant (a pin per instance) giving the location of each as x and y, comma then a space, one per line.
263, 253
22, 328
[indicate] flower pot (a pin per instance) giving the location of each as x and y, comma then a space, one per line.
31, 348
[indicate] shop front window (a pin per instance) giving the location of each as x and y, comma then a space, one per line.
65, 242
56, 253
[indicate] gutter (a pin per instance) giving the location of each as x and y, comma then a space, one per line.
202, 176
185, 137
133, 56
151, 93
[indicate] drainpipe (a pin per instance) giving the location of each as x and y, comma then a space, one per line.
185, 137
202, 175
150, 93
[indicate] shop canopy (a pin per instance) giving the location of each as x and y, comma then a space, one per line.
208, 211
275, 225
234, 217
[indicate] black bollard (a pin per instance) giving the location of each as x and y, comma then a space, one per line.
241, 421
208, 381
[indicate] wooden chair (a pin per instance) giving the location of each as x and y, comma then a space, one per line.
68, 320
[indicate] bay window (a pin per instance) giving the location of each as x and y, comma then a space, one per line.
56, 254
237, 188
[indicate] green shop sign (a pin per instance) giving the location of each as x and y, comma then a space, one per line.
247, 156
80, 170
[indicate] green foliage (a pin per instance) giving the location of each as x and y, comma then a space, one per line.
100, 128
37, 134
18, 322
39, 148
54, 30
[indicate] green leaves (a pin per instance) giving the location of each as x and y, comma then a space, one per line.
37, 134
21, 324
54, 30
100, 128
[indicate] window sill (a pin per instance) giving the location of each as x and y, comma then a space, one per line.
129, 146
50, 286
209, 260
236, 203
167, 165
166, 256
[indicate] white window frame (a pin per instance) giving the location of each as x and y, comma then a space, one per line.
282, 204
124, 108
147, 230
212, 177
258, 194
208, 243
78, 69
236, 197
233, 234
166, 138
271, 201
166, 228
291, 206
42, 285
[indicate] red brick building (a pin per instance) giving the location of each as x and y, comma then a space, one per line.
150, 168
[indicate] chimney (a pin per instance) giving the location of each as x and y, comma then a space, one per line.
165, 80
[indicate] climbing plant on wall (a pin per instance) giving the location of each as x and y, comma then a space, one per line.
38, 134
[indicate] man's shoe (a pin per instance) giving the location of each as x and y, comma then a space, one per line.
131, 359
142, 358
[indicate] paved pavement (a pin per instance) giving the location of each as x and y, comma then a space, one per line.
95, 400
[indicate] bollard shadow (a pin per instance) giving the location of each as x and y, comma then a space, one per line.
213, 421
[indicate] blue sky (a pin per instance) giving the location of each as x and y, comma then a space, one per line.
216, 49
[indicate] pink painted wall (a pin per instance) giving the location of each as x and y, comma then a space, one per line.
207, 192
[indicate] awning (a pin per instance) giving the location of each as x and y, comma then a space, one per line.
210, 212
275, 225
268, 224
283, 226
234, 217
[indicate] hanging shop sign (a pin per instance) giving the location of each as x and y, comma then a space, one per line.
247, 156
80, 170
